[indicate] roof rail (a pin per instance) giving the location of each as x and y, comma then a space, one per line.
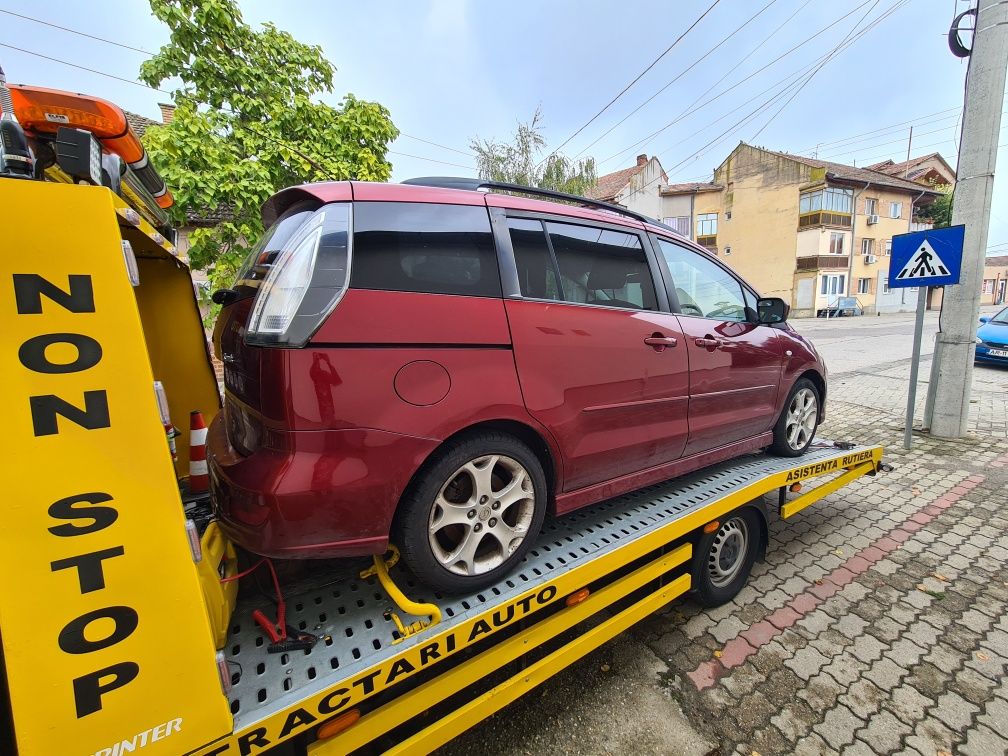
474, 184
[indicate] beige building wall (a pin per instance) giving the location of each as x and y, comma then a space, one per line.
642, 192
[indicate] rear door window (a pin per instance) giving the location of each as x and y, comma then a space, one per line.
435, 249
537, 276
602, 267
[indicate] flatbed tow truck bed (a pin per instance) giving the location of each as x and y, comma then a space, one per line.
111, 616
644, 534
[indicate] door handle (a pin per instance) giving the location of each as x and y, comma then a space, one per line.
708, 342
659, 342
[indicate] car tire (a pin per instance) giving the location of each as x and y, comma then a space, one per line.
722, 560
451, 527
798, 421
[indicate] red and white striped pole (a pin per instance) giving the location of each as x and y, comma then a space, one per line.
199, 480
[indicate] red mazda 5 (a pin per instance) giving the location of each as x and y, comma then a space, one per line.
443, 366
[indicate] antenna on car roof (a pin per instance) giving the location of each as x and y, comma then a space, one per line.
474, 184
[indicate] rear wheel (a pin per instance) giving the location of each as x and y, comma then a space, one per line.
796, 426
473, 514
722, 560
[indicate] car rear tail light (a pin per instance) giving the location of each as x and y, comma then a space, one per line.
303, 281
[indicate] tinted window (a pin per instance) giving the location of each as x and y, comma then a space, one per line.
603, 267
705, 289
536, 275
437, 249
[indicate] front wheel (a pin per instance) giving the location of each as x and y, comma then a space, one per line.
473, 514
796, 426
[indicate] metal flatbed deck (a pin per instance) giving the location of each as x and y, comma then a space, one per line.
357, 657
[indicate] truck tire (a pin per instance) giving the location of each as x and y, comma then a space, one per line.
722, 560
473, 513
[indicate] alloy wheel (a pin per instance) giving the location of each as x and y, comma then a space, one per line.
481, 515
801, 419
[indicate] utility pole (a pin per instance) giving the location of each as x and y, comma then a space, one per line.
948, 403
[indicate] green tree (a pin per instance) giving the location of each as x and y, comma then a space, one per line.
247, 123
518, 161
939, 212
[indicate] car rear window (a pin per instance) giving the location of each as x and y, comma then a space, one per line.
429, 248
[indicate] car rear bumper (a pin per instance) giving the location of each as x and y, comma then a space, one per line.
983, 353
312, 494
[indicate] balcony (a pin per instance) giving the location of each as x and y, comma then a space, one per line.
709, 241
823, 262
823, 218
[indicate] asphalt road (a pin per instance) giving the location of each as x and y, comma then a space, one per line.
852, 344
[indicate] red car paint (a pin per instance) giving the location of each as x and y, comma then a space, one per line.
317, 444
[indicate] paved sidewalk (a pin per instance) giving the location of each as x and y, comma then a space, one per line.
877, 623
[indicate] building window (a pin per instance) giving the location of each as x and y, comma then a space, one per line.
706, 224
727, 251
988, 286
887, 246
895, 209
836, 241
871, 206
885, 286
864, 286
867, 246
831, 200
679, 224
833, 285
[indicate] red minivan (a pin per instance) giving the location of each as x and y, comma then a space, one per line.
443, 366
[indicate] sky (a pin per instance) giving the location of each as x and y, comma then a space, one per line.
452, 70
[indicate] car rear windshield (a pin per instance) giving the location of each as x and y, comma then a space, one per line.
430, 248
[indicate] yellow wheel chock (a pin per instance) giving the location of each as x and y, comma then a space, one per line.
430, 613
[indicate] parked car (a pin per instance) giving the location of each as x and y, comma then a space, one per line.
445, 367
992, 338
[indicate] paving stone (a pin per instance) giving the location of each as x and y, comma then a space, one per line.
995, 715
864, 698
806, 662
812, 745
982, 741
867, 648
885, 673
908, 704
931, 736
850, 625
845, 668
727, 629
955, 711
905, 652
793, 721
884, 732
838, 727
972, 686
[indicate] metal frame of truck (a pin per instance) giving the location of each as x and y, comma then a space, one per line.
108, 646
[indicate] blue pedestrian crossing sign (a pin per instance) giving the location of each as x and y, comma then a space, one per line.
926, 258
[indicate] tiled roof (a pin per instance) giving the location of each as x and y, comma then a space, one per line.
140, 123
912, 168
692, 186
855, 174
609, 185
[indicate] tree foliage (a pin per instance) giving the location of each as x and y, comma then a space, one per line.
939, 212
518, 161
247, 123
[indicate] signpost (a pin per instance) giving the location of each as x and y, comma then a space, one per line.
922, 259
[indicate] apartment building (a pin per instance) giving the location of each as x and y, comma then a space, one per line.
809, 231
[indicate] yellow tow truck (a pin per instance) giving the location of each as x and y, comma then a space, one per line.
121, 624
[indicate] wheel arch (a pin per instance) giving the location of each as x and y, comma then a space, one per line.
820, 383
522, 431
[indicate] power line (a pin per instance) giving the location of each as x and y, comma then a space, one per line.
432, 160
693, 107
918, 121
83, 68
636, 79
679, 76
436, 144
150, 55
812, 75
75, 31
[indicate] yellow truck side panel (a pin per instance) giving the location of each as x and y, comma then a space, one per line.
106, 642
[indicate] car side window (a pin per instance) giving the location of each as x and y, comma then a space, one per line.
536, 274
602, 267
429, 248
704, 288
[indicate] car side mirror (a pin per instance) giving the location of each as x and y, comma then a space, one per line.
770, 310
985, 318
